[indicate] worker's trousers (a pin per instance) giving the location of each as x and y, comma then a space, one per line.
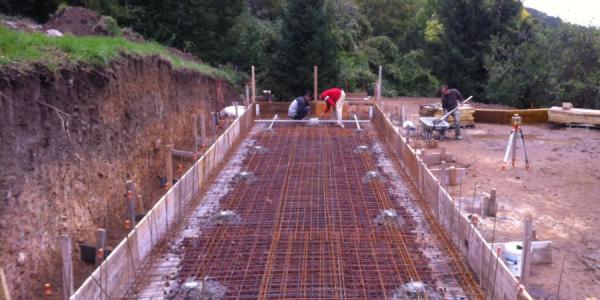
456, 116
339, 108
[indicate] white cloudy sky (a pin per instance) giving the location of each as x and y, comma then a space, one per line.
583, 12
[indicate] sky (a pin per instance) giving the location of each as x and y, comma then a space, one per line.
582, 12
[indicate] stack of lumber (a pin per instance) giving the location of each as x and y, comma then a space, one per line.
435, 110
574, 116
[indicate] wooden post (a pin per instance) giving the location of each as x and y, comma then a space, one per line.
247, 101
490, 206
315, 83
253, 85
100, 245
403, 114
378, 88
169, 165
237, 114
443, 174
195, 132
130, 199
397, 115
203, 141
526, 263
4, 292
257, 109
213, 124
139, 207
452, 176
66, 248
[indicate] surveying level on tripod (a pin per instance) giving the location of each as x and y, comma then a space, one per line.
511, 148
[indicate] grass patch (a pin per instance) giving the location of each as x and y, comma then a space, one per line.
25, 48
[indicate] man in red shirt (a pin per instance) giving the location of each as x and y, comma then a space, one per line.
334, 97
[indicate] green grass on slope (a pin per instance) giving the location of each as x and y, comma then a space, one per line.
24, 48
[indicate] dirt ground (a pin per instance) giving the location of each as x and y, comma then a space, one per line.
561, 190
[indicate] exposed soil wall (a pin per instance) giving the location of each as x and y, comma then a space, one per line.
70, 140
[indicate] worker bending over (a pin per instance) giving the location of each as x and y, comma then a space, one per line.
300, 107
451, 99
334, 97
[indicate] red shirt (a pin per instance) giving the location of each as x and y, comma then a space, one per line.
334, 95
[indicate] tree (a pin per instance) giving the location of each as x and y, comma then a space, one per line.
199, 27
468, 28
306, 40
39, 10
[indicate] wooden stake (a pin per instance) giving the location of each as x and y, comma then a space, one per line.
562, 270
378, 87
130, 199
315, 83
195, 132
253, 85
203, 141
169, 165
490, 206
4, 292
140, 204
66, 248
100, 245
528, 223
443, 173
247, 103
213, 124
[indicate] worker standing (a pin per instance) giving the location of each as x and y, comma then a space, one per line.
335, 97
451, 99
300, 107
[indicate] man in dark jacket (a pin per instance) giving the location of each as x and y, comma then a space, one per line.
451, 99
300, 107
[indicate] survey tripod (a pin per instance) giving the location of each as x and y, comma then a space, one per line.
511, 148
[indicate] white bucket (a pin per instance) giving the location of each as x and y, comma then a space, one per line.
513, 257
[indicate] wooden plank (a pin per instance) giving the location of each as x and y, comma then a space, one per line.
66, 248
4, 291
436, 158
504, 116
574, 116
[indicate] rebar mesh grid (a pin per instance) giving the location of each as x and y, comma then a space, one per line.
308, 230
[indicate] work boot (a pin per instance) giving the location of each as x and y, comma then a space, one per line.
341, 124
459, 137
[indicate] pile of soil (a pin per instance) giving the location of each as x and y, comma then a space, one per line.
80, 21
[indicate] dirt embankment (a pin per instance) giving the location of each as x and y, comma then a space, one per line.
70, 140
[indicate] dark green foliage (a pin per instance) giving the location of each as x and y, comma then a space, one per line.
306, 40
199, 27
469, 26
39, 10
493, 49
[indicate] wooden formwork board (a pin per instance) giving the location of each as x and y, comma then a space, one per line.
111, 278
492, 273
504, 116
317, 108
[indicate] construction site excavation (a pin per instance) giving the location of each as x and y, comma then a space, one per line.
310, 212
281, 209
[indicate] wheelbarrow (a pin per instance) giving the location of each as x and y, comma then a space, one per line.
431, 124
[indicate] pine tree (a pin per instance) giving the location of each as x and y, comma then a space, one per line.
469, 26
306, 40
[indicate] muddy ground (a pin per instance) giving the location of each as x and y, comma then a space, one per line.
70, 139
561, 190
